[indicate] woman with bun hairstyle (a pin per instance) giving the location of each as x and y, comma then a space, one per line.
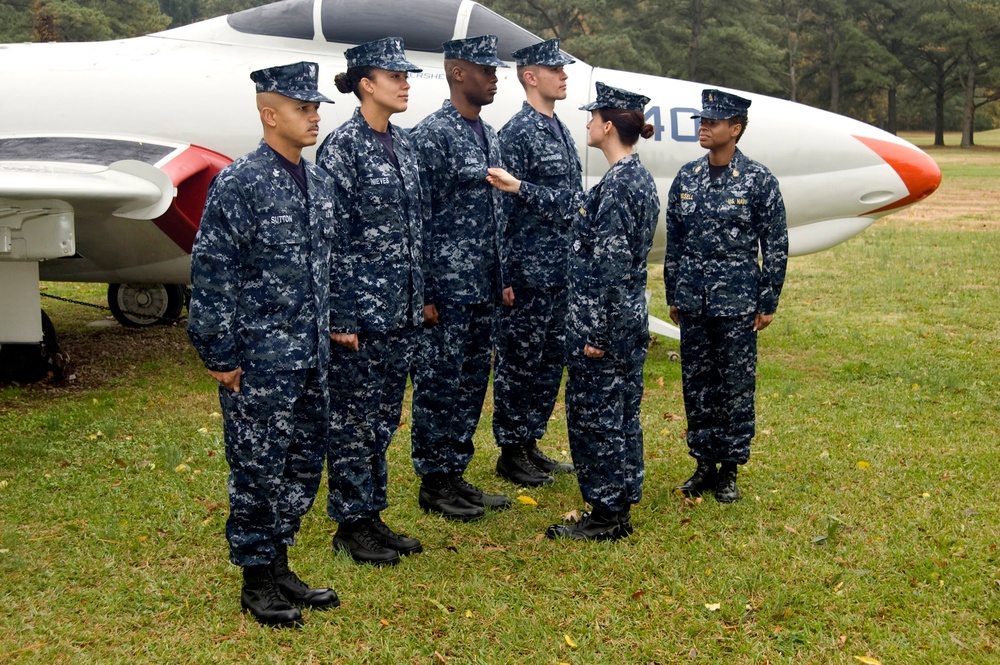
374, 169
607, 334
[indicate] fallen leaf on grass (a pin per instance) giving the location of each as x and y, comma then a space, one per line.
203, 430
638, 594
182, 468
659, 381
672, 416
571, 516
527, 500
866, 660
384, 622
468, 614
791, 530
440, 657
692, 654
569, 641
863, 465
713, 607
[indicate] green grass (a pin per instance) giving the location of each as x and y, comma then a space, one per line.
868, 525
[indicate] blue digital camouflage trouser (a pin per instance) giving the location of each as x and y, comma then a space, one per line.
366, 400
718, 368
450, 376
275, 432
529, 364
603, 396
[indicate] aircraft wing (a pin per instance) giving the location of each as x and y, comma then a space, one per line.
81, 196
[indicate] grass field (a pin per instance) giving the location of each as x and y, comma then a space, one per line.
868, 529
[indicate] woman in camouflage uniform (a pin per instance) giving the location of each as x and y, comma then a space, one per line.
607, 334
375, 172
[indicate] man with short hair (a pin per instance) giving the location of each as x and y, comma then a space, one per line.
722, 210
260, 319
537, 147
462, 267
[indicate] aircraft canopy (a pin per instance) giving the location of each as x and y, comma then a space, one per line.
423, 24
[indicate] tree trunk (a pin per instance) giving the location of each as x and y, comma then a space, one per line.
939, 96
969, 112
834, 72
697, 23
793, 76
891, 112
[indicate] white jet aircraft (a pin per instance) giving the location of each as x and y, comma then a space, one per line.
107, 149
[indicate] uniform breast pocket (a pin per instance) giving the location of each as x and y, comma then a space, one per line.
552, 165
280, 230
468, 173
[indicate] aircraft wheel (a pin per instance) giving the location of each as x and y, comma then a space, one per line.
27, 363
141, 305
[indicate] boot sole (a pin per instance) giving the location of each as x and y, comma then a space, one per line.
341, 547
429, 508
294, 623
525, 483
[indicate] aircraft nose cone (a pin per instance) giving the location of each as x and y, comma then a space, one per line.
916, 169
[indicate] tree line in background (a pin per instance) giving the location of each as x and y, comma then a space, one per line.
899, 64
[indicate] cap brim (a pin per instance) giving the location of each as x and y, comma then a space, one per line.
489, 62
714, 115
402, 66
306, 95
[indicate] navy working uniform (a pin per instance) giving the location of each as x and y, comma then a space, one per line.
529, 358
715, 227
261, 301
463, 260
612, 235
380, 193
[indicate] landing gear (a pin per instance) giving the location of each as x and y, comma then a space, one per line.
141, 305
27, 363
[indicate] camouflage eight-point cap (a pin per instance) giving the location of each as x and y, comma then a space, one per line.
297, 81
609, 97
480, 50
384, 53
719, 105
546, 54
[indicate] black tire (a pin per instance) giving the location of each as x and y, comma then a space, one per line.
142, 305
28, 363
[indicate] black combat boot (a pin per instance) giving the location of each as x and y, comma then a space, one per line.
358, 539
596, 525
703, 479
386, 537
478, 497
544, 462
625, 519
261, 598
296, 591
438, 496
725, 490
514, 465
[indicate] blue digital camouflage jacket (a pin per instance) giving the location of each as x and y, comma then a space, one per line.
464, 217
260, 268
538, 237
714, 231
382, 213
613, 232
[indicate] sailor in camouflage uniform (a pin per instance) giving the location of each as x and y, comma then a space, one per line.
462, 253
607, 333
529, 359
722, 210
374, 168
259, 318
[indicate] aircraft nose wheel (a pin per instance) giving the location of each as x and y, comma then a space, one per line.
141, 305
